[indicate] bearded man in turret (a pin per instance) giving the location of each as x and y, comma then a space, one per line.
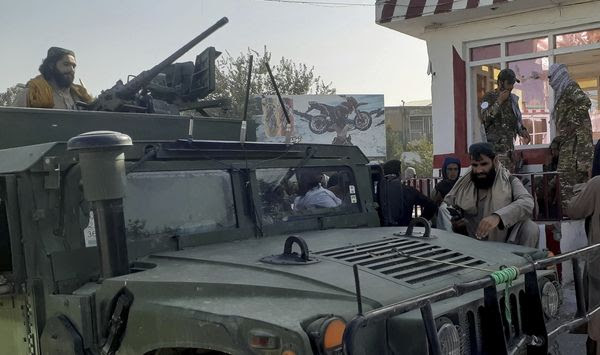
54, 87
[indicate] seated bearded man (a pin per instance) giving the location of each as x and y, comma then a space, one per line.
495, 205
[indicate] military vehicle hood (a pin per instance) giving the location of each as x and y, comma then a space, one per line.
383, 271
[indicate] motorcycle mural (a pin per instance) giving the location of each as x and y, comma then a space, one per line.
331, 119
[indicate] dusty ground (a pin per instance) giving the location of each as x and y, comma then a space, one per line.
570, 344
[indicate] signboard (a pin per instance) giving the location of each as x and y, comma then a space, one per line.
325, 119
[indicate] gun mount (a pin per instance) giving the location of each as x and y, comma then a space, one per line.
136, 94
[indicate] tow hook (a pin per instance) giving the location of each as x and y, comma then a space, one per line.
291, 258
417, 221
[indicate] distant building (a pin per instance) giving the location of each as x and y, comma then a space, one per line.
411, 122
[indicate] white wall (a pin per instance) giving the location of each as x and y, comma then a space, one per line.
441, 40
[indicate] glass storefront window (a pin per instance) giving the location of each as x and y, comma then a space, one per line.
485, 52
533, 97
484, 79
534, 90
533, 45
577, 38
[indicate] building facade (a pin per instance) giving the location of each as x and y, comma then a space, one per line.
410, 122
470, 41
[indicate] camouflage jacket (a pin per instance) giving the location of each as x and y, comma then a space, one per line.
574, 127
500, 121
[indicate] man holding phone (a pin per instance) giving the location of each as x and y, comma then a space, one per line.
501, 118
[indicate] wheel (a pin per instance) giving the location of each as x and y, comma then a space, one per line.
318, 124
363, 120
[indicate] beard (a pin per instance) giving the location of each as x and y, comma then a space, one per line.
63, 80
484, 181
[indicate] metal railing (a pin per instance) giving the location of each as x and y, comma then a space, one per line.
535, 335
545, 189
543, 186
423, 185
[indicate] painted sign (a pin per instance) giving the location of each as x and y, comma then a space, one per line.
325, 119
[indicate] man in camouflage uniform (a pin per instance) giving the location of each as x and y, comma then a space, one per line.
574, 127
501, 118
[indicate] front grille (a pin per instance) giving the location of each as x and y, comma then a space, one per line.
472, 325
386, 257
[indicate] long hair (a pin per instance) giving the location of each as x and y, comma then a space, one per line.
48, 67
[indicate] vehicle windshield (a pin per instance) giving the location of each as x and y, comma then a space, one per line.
291, 194
178, 203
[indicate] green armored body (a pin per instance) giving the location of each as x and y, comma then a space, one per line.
133, 233
180, 246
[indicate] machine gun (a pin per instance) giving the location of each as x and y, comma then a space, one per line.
176, 83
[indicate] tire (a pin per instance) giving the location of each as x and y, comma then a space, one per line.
318, 124
363, 120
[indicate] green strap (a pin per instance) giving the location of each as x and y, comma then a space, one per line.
507, 276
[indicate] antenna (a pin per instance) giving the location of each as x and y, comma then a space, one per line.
245, 116
288, 127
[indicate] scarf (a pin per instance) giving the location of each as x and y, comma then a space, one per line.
466, 192
41, 94
444, 186
559, 80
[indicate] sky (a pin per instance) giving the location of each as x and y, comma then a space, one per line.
115, 38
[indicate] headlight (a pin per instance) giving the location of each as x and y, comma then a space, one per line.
551, 299
326, 334
449, 339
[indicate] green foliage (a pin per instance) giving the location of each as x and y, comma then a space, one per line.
8, 97
291, 78
424, 148
395, 144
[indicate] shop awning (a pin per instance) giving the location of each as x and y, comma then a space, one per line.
399, 10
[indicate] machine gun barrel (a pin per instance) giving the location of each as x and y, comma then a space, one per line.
137, 83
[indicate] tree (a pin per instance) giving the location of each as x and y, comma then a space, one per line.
8, 97
424, 148
395, 143
291, 78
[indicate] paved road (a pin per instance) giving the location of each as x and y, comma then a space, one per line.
570, 344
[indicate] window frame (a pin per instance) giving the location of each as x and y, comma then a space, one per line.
245, 226
358, 206
504, 59
362, 218
223, 173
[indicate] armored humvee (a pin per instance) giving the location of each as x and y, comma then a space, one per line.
170, 244
166, 235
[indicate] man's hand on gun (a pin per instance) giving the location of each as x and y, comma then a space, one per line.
457, 218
